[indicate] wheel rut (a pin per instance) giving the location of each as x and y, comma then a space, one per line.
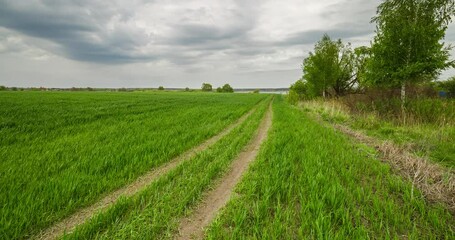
192, 227
68, 224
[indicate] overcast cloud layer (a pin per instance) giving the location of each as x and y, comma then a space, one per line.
179, 43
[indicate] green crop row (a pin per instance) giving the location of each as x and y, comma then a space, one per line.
154, 212
311, 182
62, 151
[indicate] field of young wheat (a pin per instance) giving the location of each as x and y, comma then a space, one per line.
62, 154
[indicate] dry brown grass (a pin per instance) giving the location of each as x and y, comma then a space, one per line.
437, 183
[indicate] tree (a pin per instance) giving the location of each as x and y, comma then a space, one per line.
407, 48
227, 88
206, 87
187, 89
2, 88
219, 89
330, 67
160, 88
361, 57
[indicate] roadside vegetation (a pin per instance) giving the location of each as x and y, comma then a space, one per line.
62, 151
431, 135
389, 89
310, 182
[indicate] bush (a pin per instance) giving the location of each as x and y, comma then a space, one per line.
449, 87
161, 88
227, 88
300, 88
206, 87
292, 97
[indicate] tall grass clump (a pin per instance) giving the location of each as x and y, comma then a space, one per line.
419, 108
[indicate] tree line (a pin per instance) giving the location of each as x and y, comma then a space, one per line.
408, 50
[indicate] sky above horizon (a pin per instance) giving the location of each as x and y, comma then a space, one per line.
180, 43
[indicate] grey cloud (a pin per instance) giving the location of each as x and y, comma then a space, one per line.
195, 34
343, 32
80, 34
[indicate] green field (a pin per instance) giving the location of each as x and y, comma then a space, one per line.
62, 151
310, 182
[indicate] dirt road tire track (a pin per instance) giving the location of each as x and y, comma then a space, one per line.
193, 226
70, 223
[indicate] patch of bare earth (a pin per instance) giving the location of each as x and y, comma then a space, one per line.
70, 223
193, 226
434, 181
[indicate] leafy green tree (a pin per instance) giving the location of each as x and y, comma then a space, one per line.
330, 67
219, 89
160, 88
2, 88
407, 48
206, 87
361, 57
227, 88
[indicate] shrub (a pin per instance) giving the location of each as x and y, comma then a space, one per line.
449, 87
206, 87
292, 97
227, 88
160, 88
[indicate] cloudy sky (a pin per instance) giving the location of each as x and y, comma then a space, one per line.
179, 43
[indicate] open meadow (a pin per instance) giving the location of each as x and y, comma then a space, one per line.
179, 165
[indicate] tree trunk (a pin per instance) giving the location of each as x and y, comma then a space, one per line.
403, 101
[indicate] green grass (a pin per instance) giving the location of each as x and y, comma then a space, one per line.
62, 151
427, 140
424, 139
310, 182
154, 212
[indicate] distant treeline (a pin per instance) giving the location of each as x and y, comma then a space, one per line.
161, 88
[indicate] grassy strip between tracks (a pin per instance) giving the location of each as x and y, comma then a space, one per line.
154, 212
310, 182
62, 151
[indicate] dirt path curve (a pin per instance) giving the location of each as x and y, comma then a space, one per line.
68, 224
193, 226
